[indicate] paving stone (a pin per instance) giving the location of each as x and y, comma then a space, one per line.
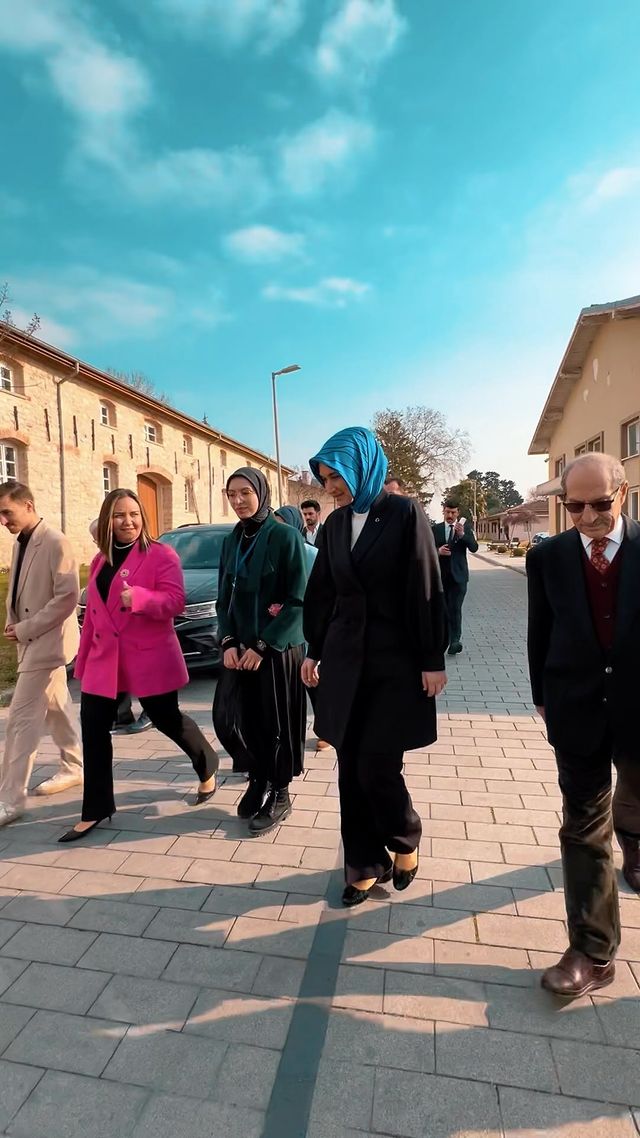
74, 1106
83, 857
279, 976
382, 1040
495, 1057
522, 877
191, 848
474, 898
8, 929
301, 910
442, 998
608, 1074
343, 1094
530, 1114
76, 1043
233, 1018
12, 1021
169, 1061
48, 944
32, 877
139, 1001
521, 932
443, 924
95, 884
538, 1013
10, 969
380, 950
277, 937
42, 908
164, 866
167, 1116
113, 917
215, 967
246, 1077
190, 927
293, 880
129, 955
360, 988
17, 1083
212, 872
56, 988
245, 902
431, 1106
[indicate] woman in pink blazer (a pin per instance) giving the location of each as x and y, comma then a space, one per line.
128, 643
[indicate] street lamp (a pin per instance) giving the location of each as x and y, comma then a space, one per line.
274, 376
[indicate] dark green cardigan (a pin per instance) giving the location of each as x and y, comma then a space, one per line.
276, 574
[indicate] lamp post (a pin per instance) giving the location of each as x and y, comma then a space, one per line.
276, 430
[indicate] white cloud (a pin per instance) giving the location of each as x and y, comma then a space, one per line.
268, 22
50, 330
328, 149
199, 178
357, 39
619, 182
261, 244
331, 292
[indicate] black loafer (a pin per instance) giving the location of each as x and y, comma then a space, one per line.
402, 878
77, 835
353, 896
204, 796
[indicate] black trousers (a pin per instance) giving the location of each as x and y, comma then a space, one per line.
454, 595
124, 711
97, 714
590, 817
376, 811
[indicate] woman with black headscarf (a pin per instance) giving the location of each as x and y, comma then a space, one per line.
260, 704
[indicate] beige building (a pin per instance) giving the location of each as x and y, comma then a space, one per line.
73, 433
517, 523
594, 402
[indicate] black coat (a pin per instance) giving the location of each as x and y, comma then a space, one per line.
375, 618
455, 567
584, 690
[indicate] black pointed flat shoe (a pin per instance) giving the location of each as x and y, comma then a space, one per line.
76, 835
353, 896
203, 796
402, 878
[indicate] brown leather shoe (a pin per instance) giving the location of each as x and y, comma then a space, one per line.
630, 861
322, 745
575, 974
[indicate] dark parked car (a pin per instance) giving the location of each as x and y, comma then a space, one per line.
198, 548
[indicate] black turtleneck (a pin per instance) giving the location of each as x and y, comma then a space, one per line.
108, 572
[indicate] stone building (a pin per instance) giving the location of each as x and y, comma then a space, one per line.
594, 402
516, 523
73, 433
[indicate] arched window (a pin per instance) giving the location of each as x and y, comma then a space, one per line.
109, 477
187, 444
8, 462
108, 416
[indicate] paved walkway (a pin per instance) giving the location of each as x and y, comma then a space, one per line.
173, 979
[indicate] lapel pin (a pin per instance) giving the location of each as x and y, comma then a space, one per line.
124, 572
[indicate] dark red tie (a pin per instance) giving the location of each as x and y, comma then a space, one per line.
597, 557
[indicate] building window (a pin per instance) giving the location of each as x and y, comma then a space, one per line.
633, 505
559, 467
107, 414
594, 444
6, 379
223, 458
152, 433
8, 462
225, 504
631, 438
189, 499
104, 414
109, 477
187, 444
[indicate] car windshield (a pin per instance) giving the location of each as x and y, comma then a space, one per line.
196, 549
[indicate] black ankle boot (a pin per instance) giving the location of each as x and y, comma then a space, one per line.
276, 807
252, 799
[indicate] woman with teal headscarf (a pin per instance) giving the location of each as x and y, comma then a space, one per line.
374, 617
260, 707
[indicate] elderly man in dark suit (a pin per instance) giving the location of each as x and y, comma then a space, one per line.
584, 660
453, 538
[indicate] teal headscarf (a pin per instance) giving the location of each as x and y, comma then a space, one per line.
291, 516
356, 455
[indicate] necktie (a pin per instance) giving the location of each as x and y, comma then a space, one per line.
450, 538
597, 557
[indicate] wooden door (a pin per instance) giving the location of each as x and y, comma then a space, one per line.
148, 494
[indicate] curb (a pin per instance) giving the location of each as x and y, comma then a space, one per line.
501, 565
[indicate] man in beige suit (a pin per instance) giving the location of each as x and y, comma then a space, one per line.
41, 620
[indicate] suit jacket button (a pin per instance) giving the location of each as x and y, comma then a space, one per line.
608, 671
604, 699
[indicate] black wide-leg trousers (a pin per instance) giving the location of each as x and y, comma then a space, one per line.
590, 817
97, 714
376, 811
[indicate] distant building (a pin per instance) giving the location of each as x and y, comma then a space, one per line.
594, 402
518, 522
73, 433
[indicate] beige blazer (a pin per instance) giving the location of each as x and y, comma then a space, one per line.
45, 618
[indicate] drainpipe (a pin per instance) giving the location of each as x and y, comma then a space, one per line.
63, 502
209, 445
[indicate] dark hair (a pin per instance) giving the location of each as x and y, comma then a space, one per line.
17, 491
104, 537
394, 478
310, 504
451, 504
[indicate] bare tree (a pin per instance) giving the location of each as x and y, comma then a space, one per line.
421, 447
140, 382
6, 315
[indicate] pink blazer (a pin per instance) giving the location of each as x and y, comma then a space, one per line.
136, 649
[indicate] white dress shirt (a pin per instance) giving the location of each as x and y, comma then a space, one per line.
615, 538
357, 526
310, 535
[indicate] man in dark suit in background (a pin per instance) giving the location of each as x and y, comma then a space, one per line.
584, 660
453, 539
312, 524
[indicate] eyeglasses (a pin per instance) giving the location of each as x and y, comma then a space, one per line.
600, 506
240, 495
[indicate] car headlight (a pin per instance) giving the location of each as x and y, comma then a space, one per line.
199, 611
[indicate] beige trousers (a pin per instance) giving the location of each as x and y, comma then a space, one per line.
41, 705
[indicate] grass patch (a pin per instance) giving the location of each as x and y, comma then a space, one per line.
8, 661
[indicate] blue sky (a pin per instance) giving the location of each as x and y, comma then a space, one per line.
411, 200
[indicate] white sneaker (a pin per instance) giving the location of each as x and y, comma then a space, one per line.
9, 813
57, 783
